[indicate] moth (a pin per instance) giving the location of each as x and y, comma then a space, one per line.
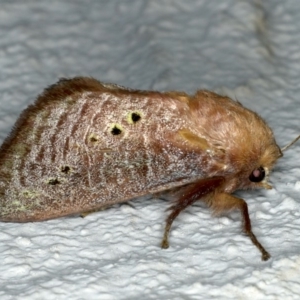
85, 145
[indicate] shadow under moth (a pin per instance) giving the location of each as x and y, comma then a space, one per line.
84, 145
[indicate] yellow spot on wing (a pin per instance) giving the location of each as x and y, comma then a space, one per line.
194, 139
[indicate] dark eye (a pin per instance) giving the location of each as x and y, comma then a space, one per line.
257, 175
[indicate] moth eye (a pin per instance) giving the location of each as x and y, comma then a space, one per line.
257, 175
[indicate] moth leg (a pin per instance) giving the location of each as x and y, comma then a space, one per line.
222, 202
188, 195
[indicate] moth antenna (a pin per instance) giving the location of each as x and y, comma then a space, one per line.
290, 144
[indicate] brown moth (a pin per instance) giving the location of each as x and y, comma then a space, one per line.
84, 145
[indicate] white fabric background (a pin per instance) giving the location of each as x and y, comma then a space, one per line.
249, 50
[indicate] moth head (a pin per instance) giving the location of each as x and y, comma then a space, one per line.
251, 153
252, 156
259, 175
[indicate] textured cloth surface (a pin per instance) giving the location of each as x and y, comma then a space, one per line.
248, 50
